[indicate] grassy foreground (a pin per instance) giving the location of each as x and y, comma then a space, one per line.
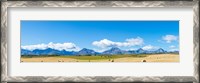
105, 58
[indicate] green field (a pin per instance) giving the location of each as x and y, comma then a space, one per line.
85, 57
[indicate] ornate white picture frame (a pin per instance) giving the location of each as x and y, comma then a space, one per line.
5, 5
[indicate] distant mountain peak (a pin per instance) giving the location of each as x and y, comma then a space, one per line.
160, 50
140, 49
49, 49
86, 51
114, 47
113, 50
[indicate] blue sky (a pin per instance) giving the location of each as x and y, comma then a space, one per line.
99, 35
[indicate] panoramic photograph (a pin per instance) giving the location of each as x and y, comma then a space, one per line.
99, 41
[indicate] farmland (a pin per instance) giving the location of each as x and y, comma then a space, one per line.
103, 58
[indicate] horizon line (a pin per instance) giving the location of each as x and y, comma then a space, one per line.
102, 51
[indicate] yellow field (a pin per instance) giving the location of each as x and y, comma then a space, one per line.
152, 58
148, 58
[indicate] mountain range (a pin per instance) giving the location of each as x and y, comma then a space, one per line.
85, 51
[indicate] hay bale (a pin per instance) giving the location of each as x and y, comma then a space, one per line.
144, 61
113, 60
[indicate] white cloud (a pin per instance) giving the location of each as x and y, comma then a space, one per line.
174, 49
108, 43
57, 46
100, 50
170, 38
149, 47
172, 46
130, 49
103, 43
